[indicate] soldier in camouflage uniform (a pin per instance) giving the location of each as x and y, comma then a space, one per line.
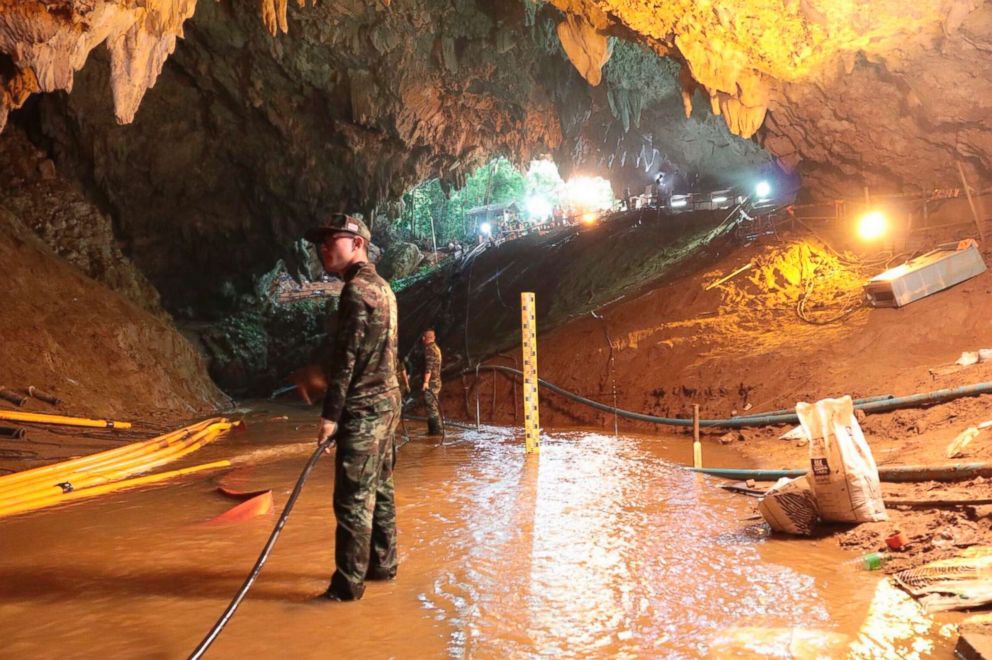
361, 410
432, 382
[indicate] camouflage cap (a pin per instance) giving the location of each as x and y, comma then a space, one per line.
338, 223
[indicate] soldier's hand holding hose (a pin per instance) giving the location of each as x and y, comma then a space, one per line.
325, 431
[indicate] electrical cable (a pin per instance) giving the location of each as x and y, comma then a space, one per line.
232, 607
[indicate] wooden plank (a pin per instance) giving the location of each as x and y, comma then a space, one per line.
973, 646
971, 203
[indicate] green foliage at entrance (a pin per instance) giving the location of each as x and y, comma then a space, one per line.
497, 182
429, 215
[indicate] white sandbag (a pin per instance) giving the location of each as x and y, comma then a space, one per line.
843, 473
790, 506
794, 434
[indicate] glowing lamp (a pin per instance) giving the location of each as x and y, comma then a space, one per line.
763, 189
872, 226
486, 228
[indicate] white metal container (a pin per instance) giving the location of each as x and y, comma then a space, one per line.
927, 274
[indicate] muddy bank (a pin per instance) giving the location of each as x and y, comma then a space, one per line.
762, 341
741, 346
99, 352
475, 305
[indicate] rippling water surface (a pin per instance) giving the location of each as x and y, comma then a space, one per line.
599, 546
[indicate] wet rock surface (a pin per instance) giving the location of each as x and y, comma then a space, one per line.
34, 192
409, 89
254, 351
400, 260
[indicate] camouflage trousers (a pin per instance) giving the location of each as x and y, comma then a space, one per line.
432, 403
364, 496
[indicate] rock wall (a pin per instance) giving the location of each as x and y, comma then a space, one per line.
47, 41
246, 136
69, 223
896, 122
811, 78
881, 93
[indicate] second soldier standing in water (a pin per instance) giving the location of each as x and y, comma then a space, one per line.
432, 383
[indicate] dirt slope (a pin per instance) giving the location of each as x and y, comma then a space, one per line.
571, 270
74, 337
742, 345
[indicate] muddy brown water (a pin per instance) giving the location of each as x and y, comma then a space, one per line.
599, 546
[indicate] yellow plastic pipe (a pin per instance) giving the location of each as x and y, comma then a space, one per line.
123, 467
39, 418
149, 456
93, 461
80, 479
175, 448
48, 491
107, 488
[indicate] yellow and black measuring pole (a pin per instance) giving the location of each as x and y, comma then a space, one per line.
528, 331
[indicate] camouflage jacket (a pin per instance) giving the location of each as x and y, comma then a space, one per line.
432, 363
363, 352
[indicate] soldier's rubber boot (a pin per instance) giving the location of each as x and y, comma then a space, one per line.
433, 427
342, 590
378, 573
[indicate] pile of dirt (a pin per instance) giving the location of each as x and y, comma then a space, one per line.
804, 277
934, 526
97, 351
742, 346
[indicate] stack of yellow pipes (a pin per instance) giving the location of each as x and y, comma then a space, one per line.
107, 471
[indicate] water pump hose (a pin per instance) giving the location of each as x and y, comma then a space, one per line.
264, 556
874, 404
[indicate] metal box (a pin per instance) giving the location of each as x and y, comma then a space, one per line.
927, 274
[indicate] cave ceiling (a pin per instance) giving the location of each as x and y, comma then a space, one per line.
213, 132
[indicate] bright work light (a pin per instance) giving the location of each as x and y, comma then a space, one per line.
872, 226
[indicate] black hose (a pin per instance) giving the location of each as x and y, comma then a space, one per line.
871, 405
16, 432
263, 557
21, 454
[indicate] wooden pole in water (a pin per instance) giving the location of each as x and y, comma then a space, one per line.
478, 418
697, 447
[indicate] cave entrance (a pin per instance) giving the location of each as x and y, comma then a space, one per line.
499, 200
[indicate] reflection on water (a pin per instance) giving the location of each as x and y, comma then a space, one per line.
597, 546
896, 627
